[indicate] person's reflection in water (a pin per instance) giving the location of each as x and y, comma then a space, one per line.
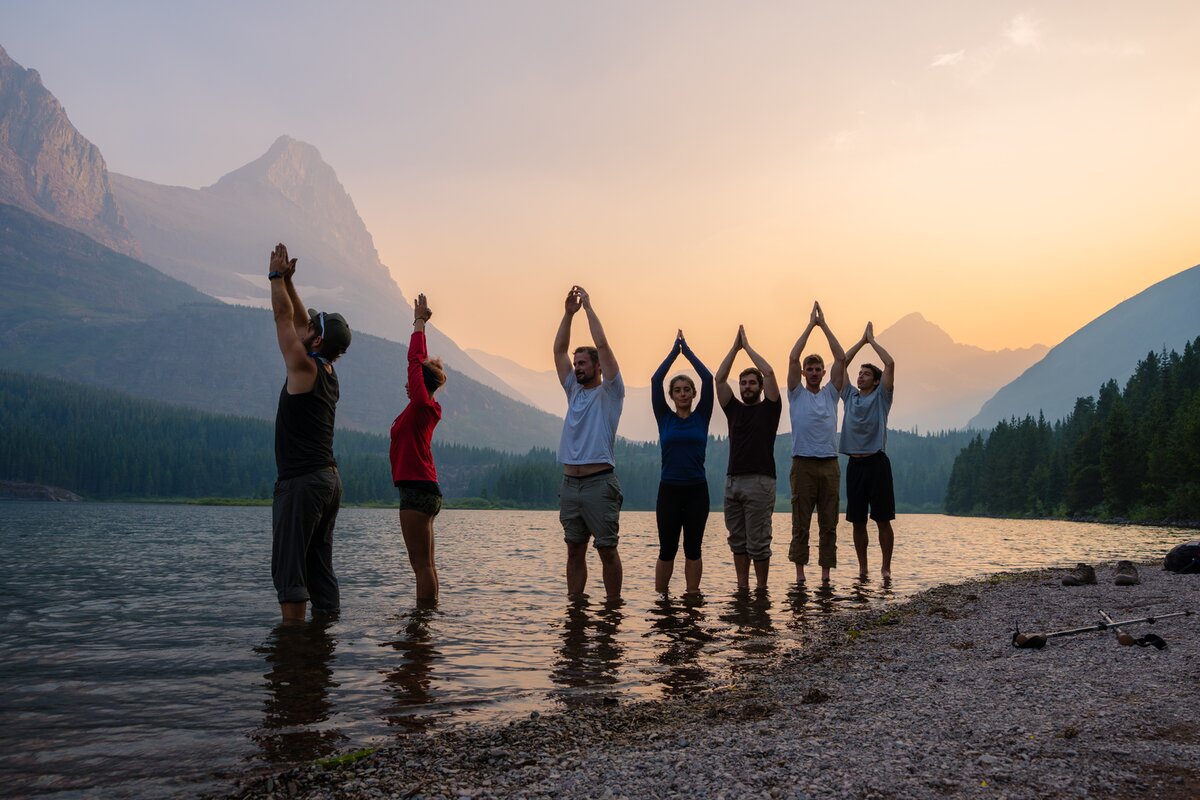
299, 656
680, 623
411, 683
753, 632
590, 656
864, 593
808, 606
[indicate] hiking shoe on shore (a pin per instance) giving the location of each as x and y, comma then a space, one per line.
1082, 575
1126, 574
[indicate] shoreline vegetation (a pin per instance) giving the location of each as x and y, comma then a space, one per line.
45, 493
103, 445
927, 698
1124, 453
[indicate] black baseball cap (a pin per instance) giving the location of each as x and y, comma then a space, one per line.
333, 328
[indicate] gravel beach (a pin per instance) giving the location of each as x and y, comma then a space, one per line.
925, 699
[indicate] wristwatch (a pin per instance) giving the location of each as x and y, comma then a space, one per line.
273, 275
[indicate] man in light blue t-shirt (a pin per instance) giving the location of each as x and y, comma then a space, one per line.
869, 489
590, 498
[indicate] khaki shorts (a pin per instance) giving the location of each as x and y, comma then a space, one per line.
815, 484
590, 507
749, 504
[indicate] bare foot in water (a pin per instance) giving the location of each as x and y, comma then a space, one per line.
825, 575
800, 574
886, 574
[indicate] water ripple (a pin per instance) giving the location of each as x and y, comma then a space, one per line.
141, 656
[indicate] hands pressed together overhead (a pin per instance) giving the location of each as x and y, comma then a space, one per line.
421, 311
281, 263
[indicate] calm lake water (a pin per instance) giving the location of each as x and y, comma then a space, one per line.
140, 653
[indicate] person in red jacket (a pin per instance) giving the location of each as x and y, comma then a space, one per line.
413, 470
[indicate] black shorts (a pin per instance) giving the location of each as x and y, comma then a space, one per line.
420, 497
869, 484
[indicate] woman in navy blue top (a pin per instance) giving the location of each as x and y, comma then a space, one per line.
683, 487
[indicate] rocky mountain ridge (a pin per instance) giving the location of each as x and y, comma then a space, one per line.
48, 168
1161, 317
217, 239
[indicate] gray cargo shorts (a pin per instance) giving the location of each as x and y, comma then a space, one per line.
749, 504
590, 507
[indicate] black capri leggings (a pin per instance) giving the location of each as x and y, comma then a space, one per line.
683, 507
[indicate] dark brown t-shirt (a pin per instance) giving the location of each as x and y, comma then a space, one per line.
752, 432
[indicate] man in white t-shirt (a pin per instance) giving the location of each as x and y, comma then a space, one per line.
590, 498
815, 476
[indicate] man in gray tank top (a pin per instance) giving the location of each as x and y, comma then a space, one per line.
308, 490
590, 497
869, 490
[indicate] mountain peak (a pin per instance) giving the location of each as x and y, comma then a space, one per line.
913, 328
48, 168
293, 168
286, 150
913, 318
292, 178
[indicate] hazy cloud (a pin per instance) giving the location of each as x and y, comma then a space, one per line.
948, 59
846, 140
1106, 49
1023, 31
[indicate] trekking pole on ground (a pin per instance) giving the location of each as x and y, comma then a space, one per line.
1036, 641
1128, 641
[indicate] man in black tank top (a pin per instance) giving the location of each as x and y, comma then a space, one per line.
308, 490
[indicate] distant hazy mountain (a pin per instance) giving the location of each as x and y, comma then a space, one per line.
47, 167
215, 239
75, 310
941, 383
1165, 316
218, 239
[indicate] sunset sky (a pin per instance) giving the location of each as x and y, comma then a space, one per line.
1009, 170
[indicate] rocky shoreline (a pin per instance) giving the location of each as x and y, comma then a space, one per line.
926, 699
16, 490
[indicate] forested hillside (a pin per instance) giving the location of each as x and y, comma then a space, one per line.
108, 446
1132, 453
920, 464
75, 310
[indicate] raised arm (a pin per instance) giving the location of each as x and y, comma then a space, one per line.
852, 353
837, 370
889, 364
705, 404
770, 384
299, 310
562, 339
418, 352
795, 369
658, 400
721, 379
301, 370
608, 361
